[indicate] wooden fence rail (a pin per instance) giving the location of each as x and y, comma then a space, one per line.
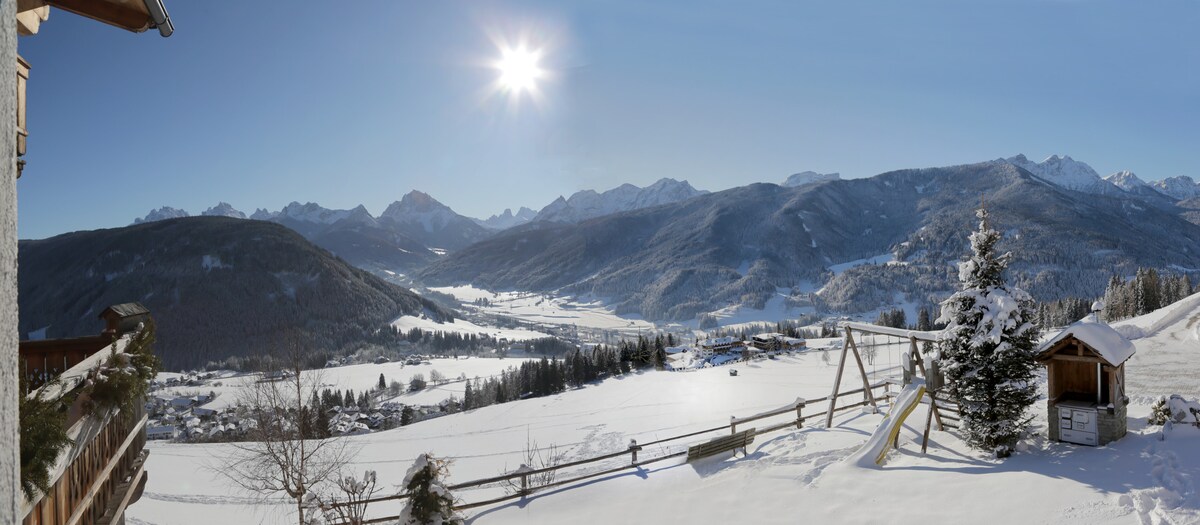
523, 474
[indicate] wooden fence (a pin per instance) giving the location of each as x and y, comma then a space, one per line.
522, 476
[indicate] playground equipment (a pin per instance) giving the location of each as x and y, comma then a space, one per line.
873, 452
920, 379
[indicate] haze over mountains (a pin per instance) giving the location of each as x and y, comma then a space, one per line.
671, 252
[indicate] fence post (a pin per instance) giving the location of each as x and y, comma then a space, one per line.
799, 418
633, 449
524, 471
732, 425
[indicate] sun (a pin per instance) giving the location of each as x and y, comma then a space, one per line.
519, 69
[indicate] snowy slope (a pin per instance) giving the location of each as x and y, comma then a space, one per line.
223, 209
364, 377
1168, 351
163, 213
1065, 172
507, 219
462, 326
589, 204
1179, 188
1139, 479
809, 177
1126, 180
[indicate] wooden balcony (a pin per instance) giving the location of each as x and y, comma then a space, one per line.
103, 472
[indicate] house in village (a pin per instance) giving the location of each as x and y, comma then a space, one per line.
776, 342
717, 345
161, 432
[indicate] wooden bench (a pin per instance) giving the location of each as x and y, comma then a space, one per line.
721, 444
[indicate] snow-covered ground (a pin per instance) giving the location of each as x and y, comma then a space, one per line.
462, 326
361, 378
549, 310
786, 476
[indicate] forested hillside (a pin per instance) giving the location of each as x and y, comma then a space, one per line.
217, 287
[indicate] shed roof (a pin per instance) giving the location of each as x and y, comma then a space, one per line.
125, 310
1110, 345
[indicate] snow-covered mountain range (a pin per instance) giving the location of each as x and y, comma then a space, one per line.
1065, 172
754, 244
162, 214
589, 204
653, 246
223, 209
809, 177
507, 219
1180, 188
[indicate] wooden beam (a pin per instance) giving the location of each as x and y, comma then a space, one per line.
109, 12
1076, 358
929, 421
867, 395
837, 379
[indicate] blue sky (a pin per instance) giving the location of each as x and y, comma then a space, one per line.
261, 104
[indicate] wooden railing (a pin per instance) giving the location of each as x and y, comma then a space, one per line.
109, 449
522, 476
97, 477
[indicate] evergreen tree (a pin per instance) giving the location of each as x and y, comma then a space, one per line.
987, 350
429, 500
382, 383
924, 324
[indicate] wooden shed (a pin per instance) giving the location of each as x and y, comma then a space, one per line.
122, 318
1085, 379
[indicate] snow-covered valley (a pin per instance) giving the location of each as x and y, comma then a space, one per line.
786, 476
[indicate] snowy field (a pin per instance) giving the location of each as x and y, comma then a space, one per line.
361, 378
542, 309
465, 327
788, 476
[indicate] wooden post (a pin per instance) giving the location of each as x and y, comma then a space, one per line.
868, 395
799, 418
732, 425
929, 420
837, 379
932, 401
633, 449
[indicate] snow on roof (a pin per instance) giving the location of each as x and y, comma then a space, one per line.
717, 341
1111, 345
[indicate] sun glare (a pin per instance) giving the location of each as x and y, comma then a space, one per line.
519, 69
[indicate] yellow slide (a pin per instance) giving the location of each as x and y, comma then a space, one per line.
875, 449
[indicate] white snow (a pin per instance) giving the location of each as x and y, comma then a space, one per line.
549, 310
361, 378
1065, 172
588, 204
1147, 477
883, 258
38, 334
462, 326
1110, 344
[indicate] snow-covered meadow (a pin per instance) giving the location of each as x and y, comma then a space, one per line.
787, 476
548, 310
363, 377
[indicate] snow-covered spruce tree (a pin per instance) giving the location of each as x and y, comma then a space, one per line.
987, 350
429, 501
